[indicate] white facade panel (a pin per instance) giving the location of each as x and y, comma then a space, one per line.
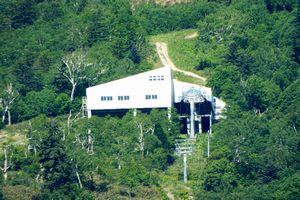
133, 92
219, 107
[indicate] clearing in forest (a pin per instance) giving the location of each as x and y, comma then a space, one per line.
178, 49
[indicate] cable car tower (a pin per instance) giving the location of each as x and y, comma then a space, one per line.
184, 147
192, 96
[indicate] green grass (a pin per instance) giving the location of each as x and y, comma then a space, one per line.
182, 51
13, 135
182, 77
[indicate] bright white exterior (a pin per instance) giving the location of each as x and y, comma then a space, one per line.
152, 89
219, 107
156, 83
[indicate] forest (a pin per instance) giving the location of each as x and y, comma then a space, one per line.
248, 49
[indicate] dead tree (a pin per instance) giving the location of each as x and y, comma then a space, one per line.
32, 139
70, 122
6, 164
90, 142
143, 129
78, 177
7, 100
75, 69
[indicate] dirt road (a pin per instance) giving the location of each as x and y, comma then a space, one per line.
162, 51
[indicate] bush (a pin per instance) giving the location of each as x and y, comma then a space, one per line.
203, 64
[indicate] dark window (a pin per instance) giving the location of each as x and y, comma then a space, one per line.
154, 96
126, 97
120, 98
106, 98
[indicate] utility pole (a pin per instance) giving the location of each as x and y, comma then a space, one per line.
184, 147
209, 134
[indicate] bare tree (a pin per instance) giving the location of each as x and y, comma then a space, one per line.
144, 128
75, 69
6, 163
6, 101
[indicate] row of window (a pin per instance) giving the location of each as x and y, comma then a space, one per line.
157, 78
106, 98
110, 98
126, 98
153, 96
123, 98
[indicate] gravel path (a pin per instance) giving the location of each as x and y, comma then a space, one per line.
162, 50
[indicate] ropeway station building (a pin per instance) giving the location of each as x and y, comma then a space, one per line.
157, 89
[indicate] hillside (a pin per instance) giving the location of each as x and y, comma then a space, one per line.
248, 51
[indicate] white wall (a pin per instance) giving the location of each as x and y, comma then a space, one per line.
136, 87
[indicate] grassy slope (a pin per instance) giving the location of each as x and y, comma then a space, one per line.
182, 52
12, 135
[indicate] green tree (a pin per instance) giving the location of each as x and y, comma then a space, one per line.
220, 176
58, 172
133, 175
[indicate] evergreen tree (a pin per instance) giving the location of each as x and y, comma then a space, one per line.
60, 181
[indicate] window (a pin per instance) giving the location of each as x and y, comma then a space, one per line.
148, 97
121, 98
157, 78
106, 98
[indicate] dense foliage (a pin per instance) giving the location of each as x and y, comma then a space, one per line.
251, 47
253, 50
37, 38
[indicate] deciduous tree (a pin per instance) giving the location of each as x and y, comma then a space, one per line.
8, 97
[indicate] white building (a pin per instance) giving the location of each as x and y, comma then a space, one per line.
152, 89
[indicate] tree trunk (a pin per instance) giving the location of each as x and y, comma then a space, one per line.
3, 117
5, 165
129, 193
72, 92
141, 140
4, 114
78, 178
90, 142
8, 117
